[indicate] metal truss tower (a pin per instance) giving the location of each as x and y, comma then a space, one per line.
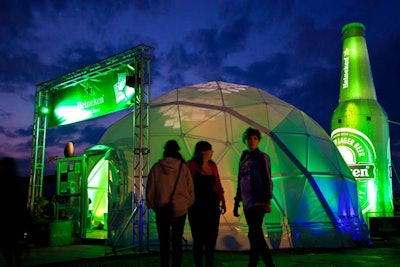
141, 146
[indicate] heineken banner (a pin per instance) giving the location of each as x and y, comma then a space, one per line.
93, 97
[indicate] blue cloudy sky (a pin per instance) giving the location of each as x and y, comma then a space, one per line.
289, 48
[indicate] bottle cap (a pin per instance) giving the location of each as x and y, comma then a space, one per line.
353, 29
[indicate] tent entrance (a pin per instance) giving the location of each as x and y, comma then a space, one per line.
97, 191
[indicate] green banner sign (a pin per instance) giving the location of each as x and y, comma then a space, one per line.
93, 97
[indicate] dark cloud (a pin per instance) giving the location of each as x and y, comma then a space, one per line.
385, 67
25, 132
75, 57
318, 95
84, 132
92, 133
177, 60
5, 114
269, 11
268, 74
11, 134
24, 69
15, 17
204, 52
309, 44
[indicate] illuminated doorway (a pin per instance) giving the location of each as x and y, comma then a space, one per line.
98, 165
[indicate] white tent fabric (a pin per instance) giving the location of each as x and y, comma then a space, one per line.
315, 200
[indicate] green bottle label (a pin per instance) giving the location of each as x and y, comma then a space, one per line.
358, 152
345, 71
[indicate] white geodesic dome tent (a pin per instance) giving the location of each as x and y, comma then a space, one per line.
315, 201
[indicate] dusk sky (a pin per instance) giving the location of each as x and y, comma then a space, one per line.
291, 49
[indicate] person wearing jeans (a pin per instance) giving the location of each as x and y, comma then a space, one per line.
255, 192
170, 181
170, 232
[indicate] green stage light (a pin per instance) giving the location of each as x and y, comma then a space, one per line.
44, 110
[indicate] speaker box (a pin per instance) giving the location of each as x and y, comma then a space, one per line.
384, 226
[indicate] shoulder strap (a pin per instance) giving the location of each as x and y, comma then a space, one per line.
176, 181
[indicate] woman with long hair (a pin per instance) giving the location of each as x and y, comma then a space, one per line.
209, 204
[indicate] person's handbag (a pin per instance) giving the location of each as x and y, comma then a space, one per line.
168, 209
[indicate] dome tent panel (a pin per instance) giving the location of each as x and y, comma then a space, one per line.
289, 225
247, 111
222, 154
200, 120
294, 196
317, 132
287, 190
282, 165
119, 134
318, 160
231, 95
277, 114
323, 157
347, 204
310, 209
168, 97
331, 189
296, 145
271, 99
167, 119
293, 122
201, 96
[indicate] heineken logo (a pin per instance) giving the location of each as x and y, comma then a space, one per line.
346, 54
357, 150
363, 171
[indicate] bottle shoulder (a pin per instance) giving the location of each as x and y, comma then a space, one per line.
362, 107
360, 103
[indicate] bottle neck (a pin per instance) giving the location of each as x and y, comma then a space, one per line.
356, 78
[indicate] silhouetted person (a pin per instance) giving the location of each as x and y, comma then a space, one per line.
255, 192
41, 225
209, 203
46, 210
14, 210
165, 175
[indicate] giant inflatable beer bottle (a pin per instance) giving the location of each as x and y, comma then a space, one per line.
360, 127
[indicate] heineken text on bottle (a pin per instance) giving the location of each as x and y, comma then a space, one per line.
357, 150
360, 127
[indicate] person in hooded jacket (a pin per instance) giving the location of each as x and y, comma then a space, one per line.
162, 179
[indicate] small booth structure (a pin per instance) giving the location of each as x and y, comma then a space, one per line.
92, 201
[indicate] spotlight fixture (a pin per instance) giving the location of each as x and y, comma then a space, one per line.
44, 110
